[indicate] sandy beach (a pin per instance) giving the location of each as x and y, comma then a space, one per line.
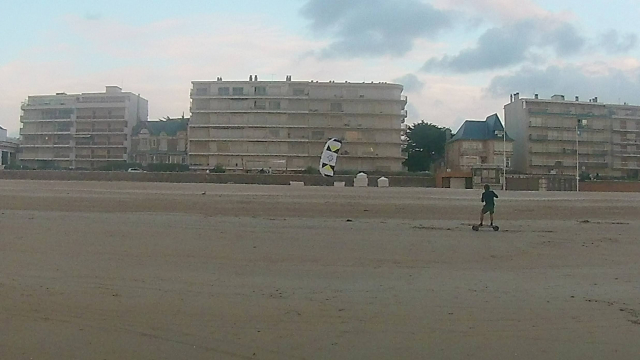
92, 270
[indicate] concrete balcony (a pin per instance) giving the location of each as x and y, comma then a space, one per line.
101, 157
627, 141
26, 120
43, 158
44, 106
100, 144
47, 132
55, 145
100, 131
626, 153
403, 113
100, 117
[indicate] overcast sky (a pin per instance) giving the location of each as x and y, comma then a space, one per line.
458, 59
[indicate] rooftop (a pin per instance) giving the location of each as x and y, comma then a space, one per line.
324, 83
481, 129
170, 127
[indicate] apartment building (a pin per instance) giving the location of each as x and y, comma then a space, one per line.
87, 130
560, 136
8, 148
162, 141
479, 142
283, 125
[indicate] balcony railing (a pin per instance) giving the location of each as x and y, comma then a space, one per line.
100, 117
99, 143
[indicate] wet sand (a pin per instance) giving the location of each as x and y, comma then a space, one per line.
162, 271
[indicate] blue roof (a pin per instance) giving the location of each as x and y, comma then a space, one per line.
481, 130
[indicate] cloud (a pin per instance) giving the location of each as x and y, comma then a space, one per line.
613, 42
512, 44
609, 84
501, 10
160, 59
410, 82
374, 27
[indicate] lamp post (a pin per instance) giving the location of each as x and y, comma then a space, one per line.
579, 126
503, 181
504, 156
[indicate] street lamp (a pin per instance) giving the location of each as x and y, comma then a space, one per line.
579, 127
503, 133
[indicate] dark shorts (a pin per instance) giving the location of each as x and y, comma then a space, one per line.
488, 209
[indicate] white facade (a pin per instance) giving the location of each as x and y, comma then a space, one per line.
283, 125
86, 130
545, 136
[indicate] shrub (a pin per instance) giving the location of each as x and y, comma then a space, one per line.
218, 169
310, 170
17, 167
119, 166
167, 167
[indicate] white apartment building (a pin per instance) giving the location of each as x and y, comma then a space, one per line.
8, 148
283, 125
87, 130
545, 136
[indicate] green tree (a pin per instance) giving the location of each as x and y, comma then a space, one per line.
425, 144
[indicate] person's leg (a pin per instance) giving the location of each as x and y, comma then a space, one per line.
491, 216
481, 216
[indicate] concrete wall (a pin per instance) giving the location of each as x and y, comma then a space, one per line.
610, 186
541, 183
517, 123
311, 180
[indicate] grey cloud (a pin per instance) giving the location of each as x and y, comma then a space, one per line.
374, 27
413, 115
612, 86
565, 39
510, 45
613, 42
410, 82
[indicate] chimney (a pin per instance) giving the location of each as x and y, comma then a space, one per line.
516, 96
250, 77
535, 96
510, 97
577, 98
447, 133
113, 89
255, 77
595, 99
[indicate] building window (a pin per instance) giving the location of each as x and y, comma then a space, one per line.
144, 144
238, 91
163, 144
274, 105
223, 91
202, 91
261, 90
317, 135
623, 124
298, 92
260, 105
336, 106
153, 143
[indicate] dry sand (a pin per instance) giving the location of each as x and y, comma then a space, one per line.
162, 271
